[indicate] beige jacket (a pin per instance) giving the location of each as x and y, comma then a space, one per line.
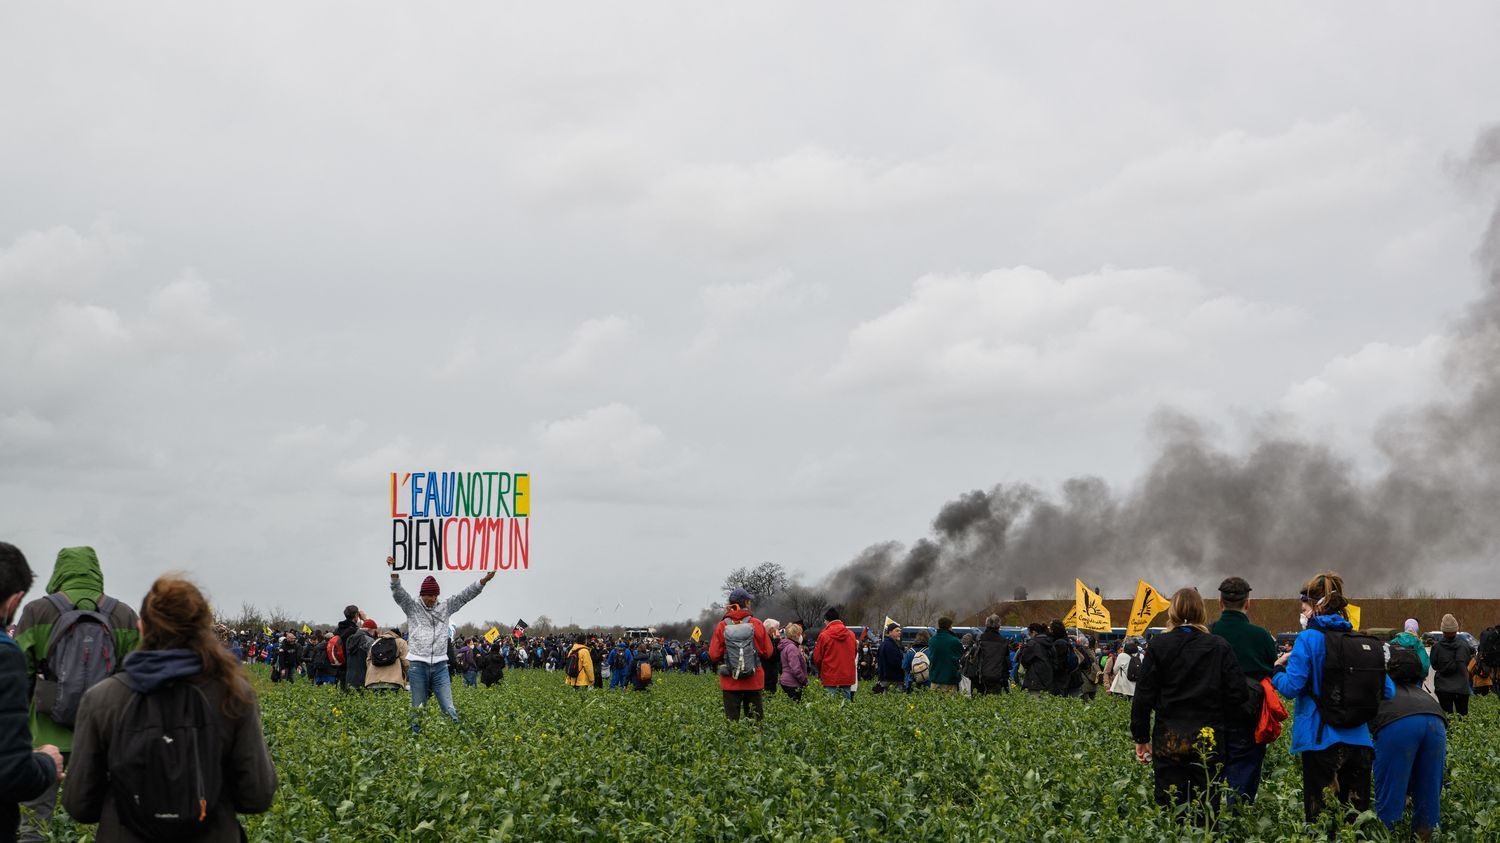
394, 673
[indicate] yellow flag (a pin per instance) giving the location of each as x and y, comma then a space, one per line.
1089, 607
1070, 620
887, 624
266, 630
697, 634
489, 637
306, 630
1147, 605
1353, 615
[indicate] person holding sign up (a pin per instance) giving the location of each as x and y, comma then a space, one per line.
427, 625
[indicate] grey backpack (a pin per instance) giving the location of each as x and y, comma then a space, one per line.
740, 658
80, 655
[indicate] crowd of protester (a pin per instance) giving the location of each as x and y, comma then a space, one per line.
84, 676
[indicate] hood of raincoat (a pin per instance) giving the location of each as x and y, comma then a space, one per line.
77, 573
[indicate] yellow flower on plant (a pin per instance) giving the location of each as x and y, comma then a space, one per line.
917, 732
1207, 738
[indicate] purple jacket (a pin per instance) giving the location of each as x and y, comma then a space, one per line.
793, 664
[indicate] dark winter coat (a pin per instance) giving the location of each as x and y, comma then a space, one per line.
994, 656
248, 776
23, 774
1450, 666
356, 654
888, 662
1189, 680
1036, 660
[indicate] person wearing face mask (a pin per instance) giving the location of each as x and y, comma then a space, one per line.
427, 625
1330, 732
24, 773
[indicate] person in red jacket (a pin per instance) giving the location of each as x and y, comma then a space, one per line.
742, 694
834, 656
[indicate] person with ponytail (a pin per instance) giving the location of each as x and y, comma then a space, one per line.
179, 654
1192, 682
1337, 756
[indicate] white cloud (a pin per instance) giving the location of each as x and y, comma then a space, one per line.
729, 308
452, 231
1352, 392
1244, 177
1021, 333
22, 430
59, 261
182, 316
602, 440
591, 345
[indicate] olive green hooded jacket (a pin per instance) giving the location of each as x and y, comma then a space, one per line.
78, 576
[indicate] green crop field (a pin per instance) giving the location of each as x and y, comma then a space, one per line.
535, 761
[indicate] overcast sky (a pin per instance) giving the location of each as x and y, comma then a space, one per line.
733, 284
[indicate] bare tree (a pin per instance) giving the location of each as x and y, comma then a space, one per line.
806, 604
280, 618
919, 609
250, 617
764, 581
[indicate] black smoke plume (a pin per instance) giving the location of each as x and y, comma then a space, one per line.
1275, 512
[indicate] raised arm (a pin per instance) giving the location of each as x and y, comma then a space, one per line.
399, 594
458, 600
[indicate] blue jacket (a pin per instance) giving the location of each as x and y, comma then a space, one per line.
24, 774
906, 661
629, 659
1302, 681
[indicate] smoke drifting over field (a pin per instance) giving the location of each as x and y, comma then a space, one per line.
1275, 513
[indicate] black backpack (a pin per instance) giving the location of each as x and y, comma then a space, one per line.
165, 767
968, 664
1133, 668
384, 653
572, 668
1353, 678
1489, 647
1404, 666
617, 660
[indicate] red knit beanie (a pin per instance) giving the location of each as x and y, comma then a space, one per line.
429, 587
370, 623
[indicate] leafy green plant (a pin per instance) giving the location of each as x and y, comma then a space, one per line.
534, 760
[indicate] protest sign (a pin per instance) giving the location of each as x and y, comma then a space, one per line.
461, 520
